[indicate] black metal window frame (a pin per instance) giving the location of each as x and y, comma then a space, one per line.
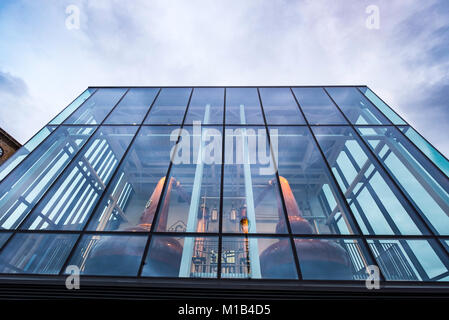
359, 235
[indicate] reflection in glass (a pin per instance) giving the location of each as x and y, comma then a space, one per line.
246, 101
257, 258
422, 182
3, 238
280, 107
317, 106
21, 190
433, 154
36, 253
94, 110
186, 257
410, 260
169, 107
356, 107
73, 106
109, 255
382, 106
133, 107
250, 186
192, 197
24, 151
206, 106
131, 199
332, 259
311, 198
376, 203
68, 204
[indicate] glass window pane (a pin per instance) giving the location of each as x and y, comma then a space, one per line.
191, 201
426, 187
109, 255
280, 107
20, 191
68, 204
132, 197
410, 260
332, 259
382, 106
24, 151
169, 107
73, 106
257, 258
243, 106
251, 196
97, 107
357, 108
36, 253
133, 107
206, 106
311, 198
433, 154
185, 257
3, 238
318, 107
376, 203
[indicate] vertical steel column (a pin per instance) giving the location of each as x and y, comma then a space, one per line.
192, 219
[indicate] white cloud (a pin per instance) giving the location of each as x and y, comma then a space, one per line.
166, 42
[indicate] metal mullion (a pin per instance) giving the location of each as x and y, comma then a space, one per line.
367, 184
220, 222
394, 111
57, 126
418, 214
344, 201
419, 149
103, 194
95, 91
67, 166
281, 194
162, 195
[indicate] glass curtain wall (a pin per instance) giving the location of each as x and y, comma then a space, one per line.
292, 183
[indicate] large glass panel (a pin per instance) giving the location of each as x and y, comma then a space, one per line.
382, 106
73, 106
170, 106
410, 260
24, 151
20, 191
357, 108
185, 257
318, 107
243, 106
94, 110
332, 259
311, 198
191, 201
4, 237
36, 253
133, 107
68, 204
109, 255
132, 197
251, 196
376, 203
280, 106
427, 188
433, 154
257, 258
206, 106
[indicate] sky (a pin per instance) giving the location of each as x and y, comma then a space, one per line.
44, 64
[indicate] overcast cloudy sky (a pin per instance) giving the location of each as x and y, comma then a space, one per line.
44, 65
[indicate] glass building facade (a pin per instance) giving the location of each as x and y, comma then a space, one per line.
294, 184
